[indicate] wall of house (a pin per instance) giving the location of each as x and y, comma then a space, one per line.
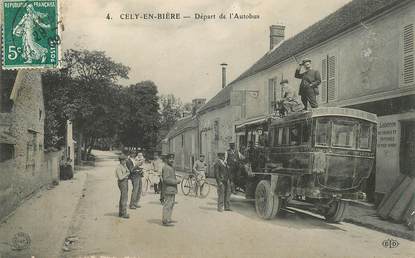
368, 66
216, 132
185, 148
30, 168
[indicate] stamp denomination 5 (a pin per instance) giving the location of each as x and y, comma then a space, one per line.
30, 34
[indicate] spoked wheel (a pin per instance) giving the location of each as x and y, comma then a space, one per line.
266, 204
186, 186
204, 190
335, 212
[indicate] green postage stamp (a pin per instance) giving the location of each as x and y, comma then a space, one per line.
30, 34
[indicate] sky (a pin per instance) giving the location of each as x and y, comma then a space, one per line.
183, 56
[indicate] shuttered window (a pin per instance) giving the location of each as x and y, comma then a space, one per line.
408, 69
323, 94
331, 78
328, 79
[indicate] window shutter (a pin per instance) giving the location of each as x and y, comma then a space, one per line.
271, 95
408, 71
331, 78
323, 95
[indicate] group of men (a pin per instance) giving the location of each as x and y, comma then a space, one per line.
131, 168
310, 80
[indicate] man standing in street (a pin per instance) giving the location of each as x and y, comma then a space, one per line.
310, 80
122, 173
199, 169
170, 183
158, 166
232, 158
224, 185
135, 180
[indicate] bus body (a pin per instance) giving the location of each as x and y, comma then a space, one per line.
319, 157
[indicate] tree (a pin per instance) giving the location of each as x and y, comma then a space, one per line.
171, 109
85, 92
141, 122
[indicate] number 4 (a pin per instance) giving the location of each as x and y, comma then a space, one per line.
108, 17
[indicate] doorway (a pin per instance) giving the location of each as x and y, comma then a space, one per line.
407, 149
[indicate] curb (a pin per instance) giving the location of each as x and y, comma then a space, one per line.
396, 233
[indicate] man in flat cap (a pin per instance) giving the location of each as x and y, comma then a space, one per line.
222, 176
310, 80
122, 173
170, 183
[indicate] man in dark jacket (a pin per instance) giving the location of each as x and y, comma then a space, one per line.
135, 178
310, 80
169, 190
223, 181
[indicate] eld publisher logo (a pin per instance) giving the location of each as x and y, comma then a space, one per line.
390, 243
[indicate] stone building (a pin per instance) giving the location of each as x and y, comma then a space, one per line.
24, 166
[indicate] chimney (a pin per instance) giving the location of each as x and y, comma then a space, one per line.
276, 35
223, 74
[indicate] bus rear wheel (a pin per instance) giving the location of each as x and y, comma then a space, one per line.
335, 212
267, 204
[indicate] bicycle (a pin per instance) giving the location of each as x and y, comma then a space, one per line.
188, 185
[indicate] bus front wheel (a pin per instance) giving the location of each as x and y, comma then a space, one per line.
267, 204
335, 212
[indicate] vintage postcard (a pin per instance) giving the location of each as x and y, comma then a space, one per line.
228, 129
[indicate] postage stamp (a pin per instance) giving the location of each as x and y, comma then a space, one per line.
30, 34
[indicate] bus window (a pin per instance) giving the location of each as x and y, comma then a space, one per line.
322, 132
275, 136
285, 136
295, 136
306, 132
343, 134
364, 137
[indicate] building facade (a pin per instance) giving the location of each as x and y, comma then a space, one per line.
23, 164
365, 54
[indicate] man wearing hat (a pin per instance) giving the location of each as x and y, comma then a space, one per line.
222, 176
122, 173
310, 80
199, 169
170, 183
289, 101
133, 164
232, 158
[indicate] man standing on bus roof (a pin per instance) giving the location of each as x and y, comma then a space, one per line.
221, 170
310, 80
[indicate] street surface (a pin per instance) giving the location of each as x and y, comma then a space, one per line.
85, 209
201, 231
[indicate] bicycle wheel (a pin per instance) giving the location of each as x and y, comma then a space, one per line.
186, 186
204, 190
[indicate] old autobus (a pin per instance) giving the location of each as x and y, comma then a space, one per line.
318, 157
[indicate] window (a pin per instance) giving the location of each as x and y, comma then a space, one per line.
182, 140
285, 136
343, 135
6, 85
408, 62
274, 93
306, 132
216, 130
6, 151
31, 150
322, 132
295, 136
365, 137
328, 79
